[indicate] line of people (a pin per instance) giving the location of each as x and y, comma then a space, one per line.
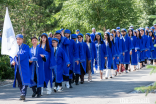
66, 57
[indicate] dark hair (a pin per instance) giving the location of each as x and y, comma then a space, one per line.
146, 32
139, 34
131, 31
89, 39
152, 34
114, 31
47, 44
101, 42
108, 39
33, 38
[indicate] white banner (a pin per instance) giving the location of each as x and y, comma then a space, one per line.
9, 44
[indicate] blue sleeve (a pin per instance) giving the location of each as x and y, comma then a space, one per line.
130, 45
136, 44
113, 50
104, 50
65, 57
87, 52
52, 59
147, 43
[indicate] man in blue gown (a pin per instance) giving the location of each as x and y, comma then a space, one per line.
37, 58
21, 64
60, 59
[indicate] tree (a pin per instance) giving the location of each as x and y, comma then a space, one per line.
32, 17
85, 14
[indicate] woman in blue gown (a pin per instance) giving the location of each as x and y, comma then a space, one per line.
110, 48
93, 54
101, 53
133, 57
122, 50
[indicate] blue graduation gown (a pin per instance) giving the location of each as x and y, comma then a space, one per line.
139, 50
64, 44
101, 54
92, 36
153, 53
151, 47
47, 70
112, 53
37, 63
93, 54
61, 58
72, 53
81, 58
134, 58
145, 46
22, 61
122, 49
116, 47
86, 55
129, 46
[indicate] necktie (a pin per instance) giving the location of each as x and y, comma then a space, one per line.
54, 51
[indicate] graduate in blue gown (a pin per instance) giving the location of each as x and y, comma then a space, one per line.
101, 53
44, 43
145, 46
76, 67
72, 53
122, 50
116, 45
60, 58
87, 56
64, 43
133, 57
37, 58
138, 35
93, 53
92, 35
110, 48
21, 64
153, 53
129, 47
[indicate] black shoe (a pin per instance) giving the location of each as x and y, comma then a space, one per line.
70, 86
111, 77
34, 94
76, 83
22, 97
38, 95
106, 78
82, 82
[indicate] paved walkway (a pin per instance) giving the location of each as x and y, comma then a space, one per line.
110, 91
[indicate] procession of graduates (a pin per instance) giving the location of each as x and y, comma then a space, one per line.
66, 57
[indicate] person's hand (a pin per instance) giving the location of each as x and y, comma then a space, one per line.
117, 57
113, 58
13, 63
68, 65
123, 53
41, 55
89, 61
30, 61
135, 50
145, 50
130, 52
77, 62
106, 58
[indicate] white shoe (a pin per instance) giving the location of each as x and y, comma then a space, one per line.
67, 84
59, 89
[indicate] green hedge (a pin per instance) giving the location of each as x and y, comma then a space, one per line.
6, 72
